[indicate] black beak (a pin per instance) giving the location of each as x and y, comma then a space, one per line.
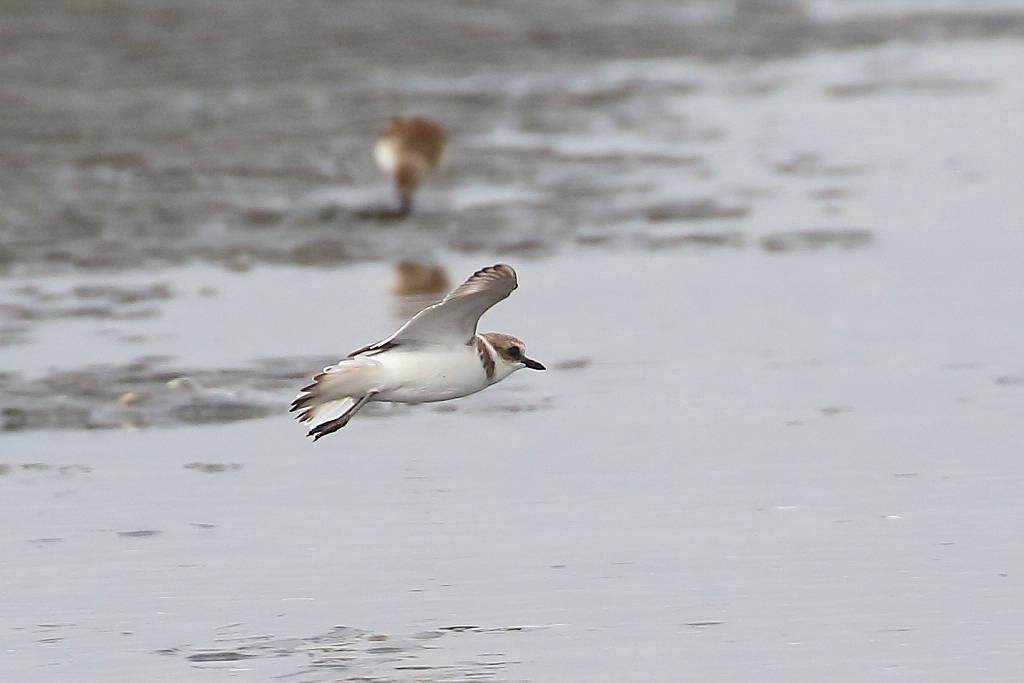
532, 364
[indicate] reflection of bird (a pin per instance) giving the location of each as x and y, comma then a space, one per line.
436, 356
416, 286
413, 278
407, 151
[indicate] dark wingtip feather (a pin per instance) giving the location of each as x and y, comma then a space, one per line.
301, 401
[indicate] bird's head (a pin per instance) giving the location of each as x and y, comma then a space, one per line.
511, 351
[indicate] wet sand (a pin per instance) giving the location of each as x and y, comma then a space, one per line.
163, 133
779, 295
742, 485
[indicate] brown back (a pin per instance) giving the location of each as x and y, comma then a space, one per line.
418, 135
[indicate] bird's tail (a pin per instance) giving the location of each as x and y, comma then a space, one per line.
334, 396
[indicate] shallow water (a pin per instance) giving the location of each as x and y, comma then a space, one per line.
788, 494
772, 261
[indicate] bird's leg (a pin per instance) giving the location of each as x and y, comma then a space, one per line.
404, 201
337, 423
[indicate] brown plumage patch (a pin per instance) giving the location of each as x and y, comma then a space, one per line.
485, 357
414, 278
502, 343
418, 135
499, 279
410, 172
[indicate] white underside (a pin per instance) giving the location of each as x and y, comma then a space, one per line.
427, 376
385, 153
437, 373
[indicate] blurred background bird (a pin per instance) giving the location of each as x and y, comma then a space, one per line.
408, 151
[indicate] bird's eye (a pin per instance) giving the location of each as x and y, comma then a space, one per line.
513, 352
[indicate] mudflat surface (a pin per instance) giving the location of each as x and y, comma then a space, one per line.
771, 258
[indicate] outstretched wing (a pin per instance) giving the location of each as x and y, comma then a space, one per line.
453, 321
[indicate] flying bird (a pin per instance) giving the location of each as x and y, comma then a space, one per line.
436, 356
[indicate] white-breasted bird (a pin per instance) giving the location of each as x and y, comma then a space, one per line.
436, 356
408, 151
